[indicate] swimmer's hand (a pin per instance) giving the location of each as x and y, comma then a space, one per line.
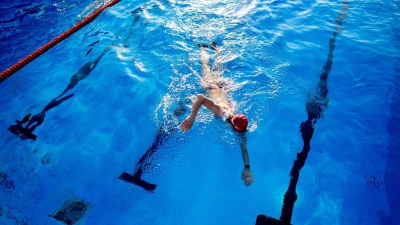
247, 177
187, 123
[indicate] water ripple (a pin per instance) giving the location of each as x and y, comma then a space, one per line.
152, 168
178, 159
172, 141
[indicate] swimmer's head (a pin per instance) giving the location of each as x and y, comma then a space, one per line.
239, 122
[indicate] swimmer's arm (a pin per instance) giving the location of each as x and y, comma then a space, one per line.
247, 176
200, 100
245, 154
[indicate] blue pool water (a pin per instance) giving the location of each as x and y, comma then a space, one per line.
123, 115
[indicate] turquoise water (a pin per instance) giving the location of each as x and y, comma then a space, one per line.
272, 53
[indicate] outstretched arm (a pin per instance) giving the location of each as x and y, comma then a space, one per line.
245, 154
247, 176
200, 100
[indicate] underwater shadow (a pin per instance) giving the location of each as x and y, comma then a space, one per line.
26, 132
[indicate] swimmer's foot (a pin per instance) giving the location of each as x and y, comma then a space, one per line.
214, 46
137, 181
202, 45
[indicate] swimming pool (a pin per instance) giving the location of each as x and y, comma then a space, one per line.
124, 113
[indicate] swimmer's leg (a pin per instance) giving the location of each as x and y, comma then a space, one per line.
208, 79
204, 59
217, 66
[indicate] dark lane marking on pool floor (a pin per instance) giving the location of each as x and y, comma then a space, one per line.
392, 169
315, 107
167, 129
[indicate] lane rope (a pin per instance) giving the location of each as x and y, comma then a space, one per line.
23, 62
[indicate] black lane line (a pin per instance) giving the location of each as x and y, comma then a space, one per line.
315, 107
167, 129
37, 119
392, 169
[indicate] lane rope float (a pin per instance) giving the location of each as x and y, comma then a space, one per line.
23, 62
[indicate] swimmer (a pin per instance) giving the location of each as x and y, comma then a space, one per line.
218, 104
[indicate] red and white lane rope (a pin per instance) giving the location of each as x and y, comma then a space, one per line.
23, 62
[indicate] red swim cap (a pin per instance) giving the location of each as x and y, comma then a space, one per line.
239, 123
